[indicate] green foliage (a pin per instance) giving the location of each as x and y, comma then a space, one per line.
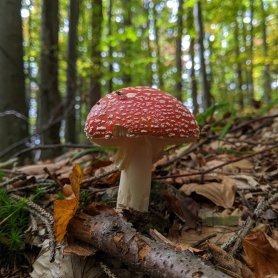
13, 222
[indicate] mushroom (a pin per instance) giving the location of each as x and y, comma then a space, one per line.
140, 121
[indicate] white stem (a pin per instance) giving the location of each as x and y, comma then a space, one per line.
135, 183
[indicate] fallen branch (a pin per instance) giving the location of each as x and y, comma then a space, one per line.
236, 240
113, 235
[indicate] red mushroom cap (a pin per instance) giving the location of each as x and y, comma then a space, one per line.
141, 111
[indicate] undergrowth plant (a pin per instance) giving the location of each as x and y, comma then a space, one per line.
13, 222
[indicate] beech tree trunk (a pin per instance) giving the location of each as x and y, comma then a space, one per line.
110, 50
238, 66
70, 131
159, 68
13, 127
50, 107
266, 71
200, 35
179, 51
126, 45
194, 92
113, 235
251, 80
97, 19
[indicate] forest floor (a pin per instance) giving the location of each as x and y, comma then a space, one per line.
217, 198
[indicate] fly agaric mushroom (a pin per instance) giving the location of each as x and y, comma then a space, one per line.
140, 121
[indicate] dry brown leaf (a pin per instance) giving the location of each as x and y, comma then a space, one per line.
220, 193
65, 209
190, 237
35, 170
261, 254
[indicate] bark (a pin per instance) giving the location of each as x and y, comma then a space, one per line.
110, 50
238, 66
97, 19
12, 91
113, 235
149, 78
50, 108
200, 36
70, 130
158, 50
179, 51
251, 80
194, 92
266, 71
127, 48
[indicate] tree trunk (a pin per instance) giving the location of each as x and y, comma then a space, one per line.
70, 130
158, 51
50, 108
149, 79
194, 92
266, 71
200, 34
127, 48
110, 50
13, 126
97, 19
238, 66
251, 80
179, 51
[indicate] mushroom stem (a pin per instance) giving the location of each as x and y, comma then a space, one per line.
135, 182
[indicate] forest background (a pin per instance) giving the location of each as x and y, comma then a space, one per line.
57, 58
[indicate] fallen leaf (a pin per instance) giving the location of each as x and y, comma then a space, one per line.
262, 254
245, 181
184, 207
65, 209
220, 193
80, 249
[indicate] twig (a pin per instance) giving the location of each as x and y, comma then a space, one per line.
240, 126
249, 224
203, 172
13, 180
14, 113
53, 177
199, 242
190, 150
30, 186
52, 146
46, 218
106, 270
94, 179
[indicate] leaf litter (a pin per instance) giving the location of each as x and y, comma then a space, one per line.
193, 210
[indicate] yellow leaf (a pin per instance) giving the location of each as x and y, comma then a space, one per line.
65, 209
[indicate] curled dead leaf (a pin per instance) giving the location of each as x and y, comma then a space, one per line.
220, 193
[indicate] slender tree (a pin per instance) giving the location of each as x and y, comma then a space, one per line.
70, 130
157, 45
50, 107
194, 92
251, 80
200, 35
13, 105
97, 19
110, 50
126, 45
238, 65
266, 70
179, 51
